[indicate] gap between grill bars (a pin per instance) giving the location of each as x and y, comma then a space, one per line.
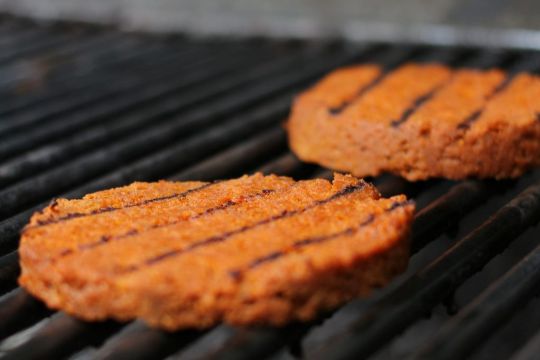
89, 108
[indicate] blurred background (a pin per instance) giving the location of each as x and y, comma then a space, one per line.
434, 20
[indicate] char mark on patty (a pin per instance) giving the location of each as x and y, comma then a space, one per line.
238, 274
225, 236
76, 215
475, 115
336, 110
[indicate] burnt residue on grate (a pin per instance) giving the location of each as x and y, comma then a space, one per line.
85, 108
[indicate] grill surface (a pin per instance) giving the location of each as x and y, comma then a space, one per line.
85, 109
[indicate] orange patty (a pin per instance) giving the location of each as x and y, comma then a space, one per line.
420, 121
254, 250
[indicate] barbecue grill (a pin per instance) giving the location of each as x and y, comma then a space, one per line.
86, 108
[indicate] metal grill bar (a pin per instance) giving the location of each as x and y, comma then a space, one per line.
286, 164
137, 341
12, 36
31, 116
77, 121
116, 59
9, 271
238, 159
445, 212
41, 44
70, 94
62, 336
491, 309
90, 43
55, 153
89, 68
530, 351
138, 55
20, 310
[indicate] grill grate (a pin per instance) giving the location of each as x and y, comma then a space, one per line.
87, 108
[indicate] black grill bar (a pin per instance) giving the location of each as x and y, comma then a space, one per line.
110, 57
486, 313
62, 336
19, 310
248, 344
55, 153
129, 78
530, 351
12, 36
323, 174
132, 64
41, 44
10, 228
394, 185
53, 129
84, 73
445, 212
9, 271
117, 59
92, 43
30, 116
492, 58
288, 164
188, 75
138, 341
237, 160
428, 287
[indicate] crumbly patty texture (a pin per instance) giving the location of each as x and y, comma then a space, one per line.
257, 250
420, 121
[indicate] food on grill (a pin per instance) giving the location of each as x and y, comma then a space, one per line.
253, 250
420, 121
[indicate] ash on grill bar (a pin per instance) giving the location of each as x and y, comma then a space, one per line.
86, 107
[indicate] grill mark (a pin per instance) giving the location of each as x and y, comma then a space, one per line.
224, 236
417, 104
398, 204
538, 116
52, 204
473, 117
465, 124
76, 215
336, 110
238, 274
108, 238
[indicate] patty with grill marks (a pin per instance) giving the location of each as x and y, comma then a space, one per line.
257, 250
420, 121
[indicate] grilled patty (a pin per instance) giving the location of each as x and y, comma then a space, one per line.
253, 250
420, 122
